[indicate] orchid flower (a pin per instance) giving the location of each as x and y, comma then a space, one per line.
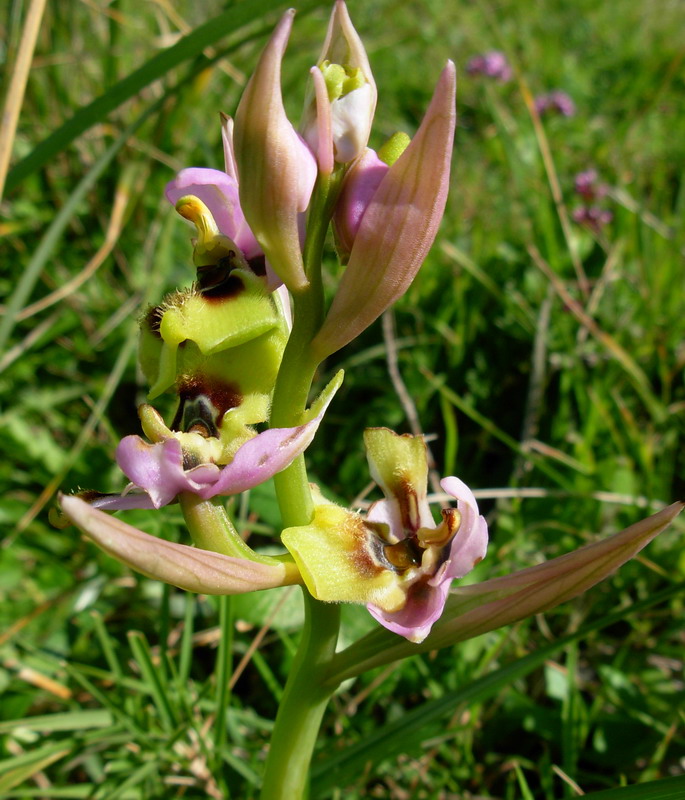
396, 560
198, 461
392, 228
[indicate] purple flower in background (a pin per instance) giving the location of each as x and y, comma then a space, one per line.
555, 101
493, 65
593, 217
587, 185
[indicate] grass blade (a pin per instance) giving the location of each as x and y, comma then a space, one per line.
666, 789
392, 738
157, 67
153, 676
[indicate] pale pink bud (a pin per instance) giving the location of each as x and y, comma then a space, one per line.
398, 226
277, 169
339, 112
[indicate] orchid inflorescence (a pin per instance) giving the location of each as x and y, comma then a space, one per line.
240, 348
219, 346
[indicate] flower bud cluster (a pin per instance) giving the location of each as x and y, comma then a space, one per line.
389, 209
590, 189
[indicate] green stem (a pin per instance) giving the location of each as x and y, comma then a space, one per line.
211, 529
299, 365
304, 699
223, 672
303, 705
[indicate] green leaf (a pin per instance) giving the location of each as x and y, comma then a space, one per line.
393, 737
14, 771
666, 789
67, 721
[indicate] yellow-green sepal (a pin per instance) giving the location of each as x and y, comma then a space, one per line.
397, 462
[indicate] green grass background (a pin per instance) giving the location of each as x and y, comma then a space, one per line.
572, 401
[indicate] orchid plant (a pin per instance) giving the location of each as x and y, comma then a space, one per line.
241, 347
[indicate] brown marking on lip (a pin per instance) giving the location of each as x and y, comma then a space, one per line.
153, 320
218, 281
365, 549
203, 402
221, 394
258, 265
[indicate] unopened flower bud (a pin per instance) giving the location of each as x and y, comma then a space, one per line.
339, 111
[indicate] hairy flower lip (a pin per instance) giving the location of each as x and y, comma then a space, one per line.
379, 560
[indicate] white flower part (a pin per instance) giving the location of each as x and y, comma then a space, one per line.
351, 118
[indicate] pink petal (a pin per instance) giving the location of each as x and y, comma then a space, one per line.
262, 457
360, 185
120, 502
471, 541
158, 469
219, 192
425, 604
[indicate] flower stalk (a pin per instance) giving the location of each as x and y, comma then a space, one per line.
305, 699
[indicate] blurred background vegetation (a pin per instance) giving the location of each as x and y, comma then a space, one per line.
545, 360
